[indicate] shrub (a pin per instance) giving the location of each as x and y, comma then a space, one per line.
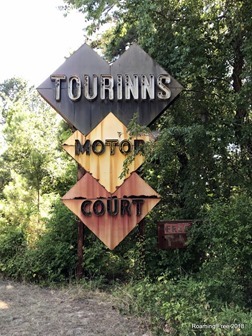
226, 245
12, 245
51, 259
182, 307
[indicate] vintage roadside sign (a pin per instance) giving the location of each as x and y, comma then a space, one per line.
173, 234
111, 216
85, 88
103, 151
99, 100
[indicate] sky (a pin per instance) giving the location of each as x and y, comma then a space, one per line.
35, 38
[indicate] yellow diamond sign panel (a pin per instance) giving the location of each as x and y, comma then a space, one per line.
103, 151
111, 216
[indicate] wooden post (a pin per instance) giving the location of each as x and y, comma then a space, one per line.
80, 239
141, 229
141, 245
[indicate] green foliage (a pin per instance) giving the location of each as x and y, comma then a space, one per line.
37, 241
99, 262
121, 264
11, 90
51, 259
13, 245
199, 162
174, 306
17, 204
96, 12
226, 244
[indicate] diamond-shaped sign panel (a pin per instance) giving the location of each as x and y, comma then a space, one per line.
103, 151
111, 216
85, 88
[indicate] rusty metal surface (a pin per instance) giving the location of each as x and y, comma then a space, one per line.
86, 114
173, 234
106, 167
86, 187
111, 229
135, 185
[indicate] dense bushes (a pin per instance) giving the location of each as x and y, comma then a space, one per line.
214, 288
202, 290
215, 298
183, 307
226, 245
13, 245
51, 259
219, 244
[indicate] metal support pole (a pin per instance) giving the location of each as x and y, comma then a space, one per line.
80, 239
141, 245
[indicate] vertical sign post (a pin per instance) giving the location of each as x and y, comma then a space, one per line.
80, 239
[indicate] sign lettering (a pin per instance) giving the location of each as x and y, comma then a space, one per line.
176, 228
113, 206
85, 88
98, 146
173, 234
100, 100
114, 87
103, 151
111, 216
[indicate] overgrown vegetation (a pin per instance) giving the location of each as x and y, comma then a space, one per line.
200, 164
181, 306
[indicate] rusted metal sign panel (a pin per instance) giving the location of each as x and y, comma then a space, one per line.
111, 216
85, 88
103, 151
173, 234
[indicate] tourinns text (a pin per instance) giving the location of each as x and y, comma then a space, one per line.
119, 87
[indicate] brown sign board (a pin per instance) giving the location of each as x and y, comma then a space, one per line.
103, 151
85, 88
111, 216
173, 234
